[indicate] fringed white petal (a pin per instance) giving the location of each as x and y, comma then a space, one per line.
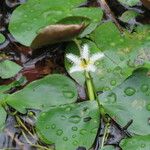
76, 68
96, 57
85, 52
91, 68
73, 58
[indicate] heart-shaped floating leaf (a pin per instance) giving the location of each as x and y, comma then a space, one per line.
136, 143
29, 18
124, 53
129, 2
8, 69
69, 126
130, 101
51, 90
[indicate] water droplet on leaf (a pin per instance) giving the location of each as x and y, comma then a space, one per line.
53, 126
113, 82
75, 143
68, 94
83, 131
63, 117
112, 97
75, 119
59, 132
129, 91
94, 131
143, 145
144, 88
74, 128
47, 127
65, 138
68, 108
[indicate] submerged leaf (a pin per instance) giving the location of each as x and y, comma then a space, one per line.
69, 126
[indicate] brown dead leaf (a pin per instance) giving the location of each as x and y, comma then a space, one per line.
146, 3
56, 33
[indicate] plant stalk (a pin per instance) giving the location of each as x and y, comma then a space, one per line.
89, 85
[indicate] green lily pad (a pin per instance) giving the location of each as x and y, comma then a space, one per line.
69, 126
129, 2
130, 101
28, 19
136, 143
51, 90
8, 69
2, 38
123, 53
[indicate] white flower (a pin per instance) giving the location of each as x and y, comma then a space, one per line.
85, 62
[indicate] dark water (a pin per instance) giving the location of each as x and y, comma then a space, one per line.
46, 61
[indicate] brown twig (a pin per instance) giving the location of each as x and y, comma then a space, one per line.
109, 13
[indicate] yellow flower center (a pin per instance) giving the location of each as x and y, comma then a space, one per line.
84, 63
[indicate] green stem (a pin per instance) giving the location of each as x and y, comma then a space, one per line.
78, 45
105, 136
89, 86
23, 126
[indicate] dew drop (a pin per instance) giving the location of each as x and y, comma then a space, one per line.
85, 109
25, 16
59, 132
83, 131
43, 114
113, 82
68, 108
75, 143
87, 119
65, 138
112, 98
121, 58
74, 136
68, 94
47, 127
75, 119
144, 88
112, 44
53, 126
63, 117
129, 91
74, 128
143, 145
94, 130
